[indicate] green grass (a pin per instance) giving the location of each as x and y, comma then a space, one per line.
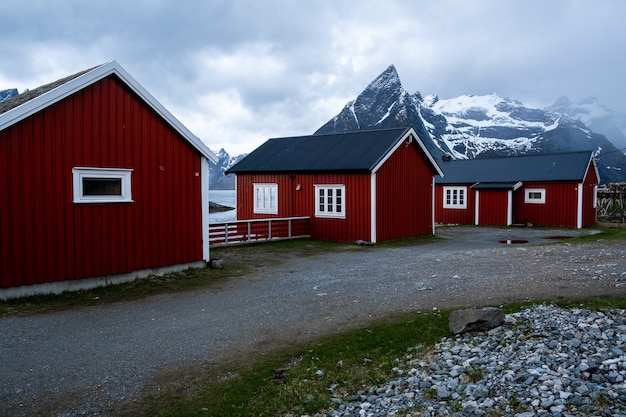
288, 381
296, 380
240, 260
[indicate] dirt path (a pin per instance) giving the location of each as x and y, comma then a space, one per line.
84, 362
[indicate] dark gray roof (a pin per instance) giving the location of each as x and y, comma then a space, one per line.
546, 167
355, 151
496, 185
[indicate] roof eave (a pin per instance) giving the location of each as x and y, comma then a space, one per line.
406, 135
48, 98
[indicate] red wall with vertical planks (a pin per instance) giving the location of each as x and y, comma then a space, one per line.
45, 237
296, 203
492, 207
404, 195
560, 206
455, 216
590, 184
403, 199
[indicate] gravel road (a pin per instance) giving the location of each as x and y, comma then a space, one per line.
88, 360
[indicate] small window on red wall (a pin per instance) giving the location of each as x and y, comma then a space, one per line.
330, 201
266, 198
102, 185
535, 196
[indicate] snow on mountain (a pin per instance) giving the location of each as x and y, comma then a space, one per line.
386, 104
217, 179
476, 126
596, 116
5, 94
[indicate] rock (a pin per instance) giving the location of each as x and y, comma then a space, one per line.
217, 263
475, 319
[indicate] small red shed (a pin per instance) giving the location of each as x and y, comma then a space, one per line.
99, 183
557, 190
368, 185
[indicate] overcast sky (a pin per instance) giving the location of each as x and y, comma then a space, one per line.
238, 72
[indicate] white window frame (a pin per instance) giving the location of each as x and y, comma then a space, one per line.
265, 198
334, 207
80, 174
530, 199
455, 197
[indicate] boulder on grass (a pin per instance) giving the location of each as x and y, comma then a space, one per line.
475, 319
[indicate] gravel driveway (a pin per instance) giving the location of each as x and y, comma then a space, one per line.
85, 361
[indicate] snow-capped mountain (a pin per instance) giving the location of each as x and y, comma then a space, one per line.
595, 116
217, 179
474, 126
11, 92
386, 104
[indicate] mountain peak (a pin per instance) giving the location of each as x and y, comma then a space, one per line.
387, 80
472, 126
562, 102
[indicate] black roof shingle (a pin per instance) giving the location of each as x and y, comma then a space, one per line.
354, 151
570, 166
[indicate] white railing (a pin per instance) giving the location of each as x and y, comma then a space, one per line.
242, 231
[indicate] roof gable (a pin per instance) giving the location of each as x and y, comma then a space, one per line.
361, 151
24, 105
571, 166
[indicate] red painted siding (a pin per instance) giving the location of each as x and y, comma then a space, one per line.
455, 216
46, 237
294, 203
559, 210
403, 199
404, 195
590, 184
492, 207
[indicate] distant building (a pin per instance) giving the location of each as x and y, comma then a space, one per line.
369, 185
557, 190
99, 183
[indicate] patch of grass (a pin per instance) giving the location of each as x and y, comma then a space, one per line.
474, 374
139, 288
606, 231
297, 380
239, 261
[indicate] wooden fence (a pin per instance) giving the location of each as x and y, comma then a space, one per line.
243, 231
610, 206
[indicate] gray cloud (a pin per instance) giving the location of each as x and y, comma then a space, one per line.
237, 72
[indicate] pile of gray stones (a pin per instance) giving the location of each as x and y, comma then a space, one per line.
542, 361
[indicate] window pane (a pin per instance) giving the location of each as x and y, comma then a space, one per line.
102, 186
330, 200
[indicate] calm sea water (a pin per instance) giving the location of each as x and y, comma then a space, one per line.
225, 198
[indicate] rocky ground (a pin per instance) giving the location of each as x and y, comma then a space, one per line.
544, 361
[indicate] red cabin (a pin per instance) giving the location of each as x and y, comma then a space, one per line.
556, 190
368, 185
99, 184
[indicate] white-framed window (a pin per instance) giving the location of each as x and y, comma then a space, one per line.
455, 197
535, 195
330, 201
266, 198
102, 185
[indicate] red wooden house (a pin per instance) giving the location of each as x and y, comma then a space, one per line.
99, 183
556, 190
369, 185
